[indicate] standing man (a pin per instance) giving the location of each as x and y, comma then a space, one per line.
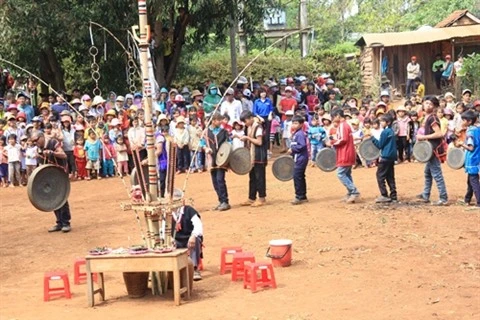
231, 106
447, 73
437, 69
258, 153
413, 71
263, 107
346, 155
53, 153
24, 107
459, 74
433, 168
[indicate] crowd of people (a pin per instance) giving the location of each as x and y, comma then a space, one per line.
104, 137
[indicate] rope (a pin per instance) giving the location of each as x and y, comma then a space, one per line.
88, 126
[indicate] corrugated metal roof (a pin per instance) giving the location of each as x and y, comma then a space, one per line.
454, 17
392, 39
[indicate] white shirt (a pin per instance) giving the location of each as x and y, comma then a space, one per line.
236, 142
413, 70
233, 109
136, 136
31, 156
13, 152
287, 129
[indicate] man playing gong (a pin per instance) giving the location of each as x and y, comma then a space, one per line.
258, 154
53, 153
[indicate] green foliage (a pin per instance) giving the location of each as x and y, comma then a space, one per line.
471, 68
277, 64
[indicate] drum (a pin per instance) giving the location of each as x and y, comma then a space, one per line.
368, 150
223, 154
456, 158
326, 159
282, 168
48, 187
240, 161
422, 151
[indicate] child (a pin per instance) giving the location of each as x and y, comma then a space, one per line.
108, 153
287, 131
226, 125
420, 87
80, 158
181, 139
388, 156
237, 134
161, 153
376, 130
298, 149
92, 148
443, 121
122, 155
31, 156
449, 97
451, 124
402, 137
3, 162
357, 134
23, 166
472, 156
274, 133
215, 137
414, 126
316, 136
195, 132
14, 157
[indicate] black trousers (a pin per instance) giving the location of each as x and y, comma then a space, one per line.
70, 162
258, 182
438, 78
183, 156
219, 184
473, 187
299, 182
163, 179
403, 148
386, 172
63, 215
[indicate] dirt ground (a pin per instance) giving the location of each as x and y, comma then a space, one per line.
360, 261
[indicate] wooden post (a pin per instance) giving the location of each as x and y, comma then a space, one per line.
143, 45
303, 24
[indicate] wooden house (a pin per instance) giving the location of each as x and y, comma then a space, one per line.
387, 54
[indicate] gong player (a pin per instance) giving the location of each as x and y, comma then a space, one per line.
53, 153
188, 232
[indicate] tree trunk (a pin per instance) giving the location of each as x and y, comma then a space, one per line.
233, 47
45, 73
158, 56
177, 52
58, 82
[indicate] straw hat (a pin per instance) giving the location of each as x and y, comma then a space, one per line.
132, 108
180, 119
111, 112
379, 111
401, 108
82, 108
97, 100
242, 80
327, 116
196, 93
44, 105
162, 117
65, 113
449, 94
354, 122
9, 117
230, 91
120, 99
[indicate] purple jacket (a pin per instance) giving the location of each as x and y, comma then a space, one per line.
299, 148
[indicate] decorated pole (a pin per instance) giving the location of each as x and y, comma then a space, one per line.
144, 37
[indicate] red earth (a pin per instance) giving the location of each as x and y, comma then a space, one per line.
358, 261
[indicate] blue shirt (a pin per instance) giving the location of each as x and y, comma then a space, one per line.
448, 70
29, 112
472, 158
387, 144
59, 107
316, 135
93, 149
262, 108
299, 148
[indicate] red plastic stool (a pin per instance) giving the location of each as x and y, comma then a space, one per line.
56, 292
251, 278
81, 276
238, 263
224, 265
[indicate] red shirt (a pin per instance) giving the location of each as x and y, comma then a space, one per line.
343, 143
287, 104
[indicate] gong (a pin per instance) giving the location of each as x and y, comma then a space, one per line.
456, 158
223, 154
240, 161
326, 159
282, 168
48, 187
368, 150
422, 151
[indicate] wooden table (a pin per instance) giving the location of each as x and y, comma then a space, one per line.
176, 262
